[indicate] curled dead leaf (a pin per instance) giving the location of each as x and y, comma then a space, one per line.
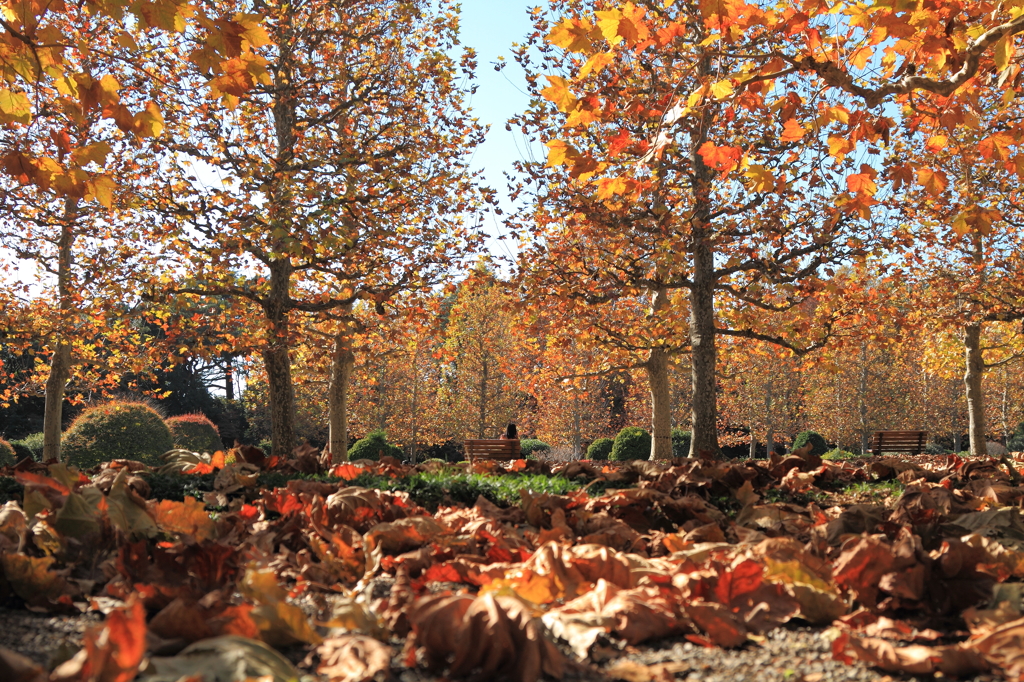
353, 658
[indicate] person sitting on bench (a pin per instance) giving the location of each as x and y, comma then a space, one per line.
511, 433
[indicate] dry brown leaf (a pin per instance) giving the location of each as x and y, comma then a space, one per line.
17, 668
353, 658
954, 660
631, 671
722, 626
861, 566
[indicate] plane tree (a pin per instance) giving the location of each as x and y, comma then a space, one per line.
338, 174
668, 181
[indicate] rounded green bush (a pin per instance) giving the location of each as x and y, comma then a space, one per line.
600, 449
194, 432
632, 442
818, 445
680, 443
7, 455
30, 446
116, 430
531, 446
373, 446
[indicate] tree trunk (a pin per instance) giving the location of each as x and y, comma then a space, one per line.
229, 377
60, 364
342, 361
577, 428
862, 399
769, 398
957, 438
975, 368
278, 362
753, 444
482, 406
704, 420
415, 405
661, 417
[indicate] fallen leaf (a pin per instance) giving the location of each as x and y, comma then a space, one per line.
353, 658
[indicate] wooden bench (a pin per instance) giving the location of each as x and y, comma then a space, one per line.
492, 449
900, 442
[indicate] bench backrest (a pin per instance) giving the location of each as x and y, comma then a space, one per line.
911, 442
492, 449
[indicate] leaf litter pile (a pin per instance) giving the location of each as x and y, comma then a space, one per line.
332, 581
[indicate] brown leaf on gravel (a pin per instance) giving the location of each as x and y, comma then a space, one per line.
500, 637
17, 668
34, 580
720, 624
1004, 648
485, 637
861, 566
111, 652
631, 671
435, 621
955, 660
353, 658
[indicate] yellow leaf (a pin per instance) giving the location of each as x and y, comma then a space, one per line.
936, 143
558, 93
109, 85
839, 146
596, 63
560, 153
15, 107
859, 58
102, 189
571, 36
840, 114
763, 180
609, 22
722, 89
934, 181
149, 123
1003, 52
91, 153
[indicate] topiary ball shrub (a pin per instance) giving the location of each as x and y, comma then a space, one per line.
373, 446
116, 430
818, 445
632, 442
7, 455
194, 432
30, 446
600, 449
680, 443
531, 447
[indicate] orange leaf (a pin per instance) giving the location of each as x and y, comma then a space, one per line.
720, 158
792, 130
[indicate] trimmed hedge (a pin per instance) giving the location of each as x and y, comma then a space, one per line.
600, 449
116, 430
194, 432
30, 446
632, 442
680, 443
373, 446
530, 446
818, 445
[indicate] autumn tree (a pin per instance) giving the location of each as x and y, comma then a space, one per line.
344, 163
479, 348
76, 99
668, 178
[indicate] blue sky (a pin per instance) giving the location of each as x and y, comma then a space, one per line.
490, 27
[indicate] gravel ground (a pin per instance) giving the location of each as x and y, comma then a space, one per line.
788, 654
